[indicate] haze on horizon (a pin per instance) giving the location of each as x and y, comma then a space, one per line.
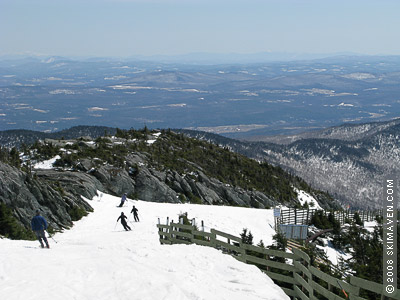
172, 27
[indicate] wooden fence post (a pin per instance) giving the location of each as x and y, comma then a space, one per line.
213, 238
300, 267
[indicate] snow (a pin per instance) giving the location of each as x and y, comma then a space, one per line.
95, 108
97, 259
345, 104
157, 134
47, 164
177, 105
116, 77
370, 225
304, 198
49, 61
151, 142
359, 76
332, 253
62, 91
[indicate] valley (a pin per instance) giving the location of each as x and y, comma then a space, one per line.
349, 161
235, 100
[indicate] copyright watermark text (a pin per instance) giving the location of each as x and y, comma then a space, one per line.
390, 200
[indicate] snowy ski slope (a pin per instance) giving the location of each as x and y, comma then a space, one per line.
97, 260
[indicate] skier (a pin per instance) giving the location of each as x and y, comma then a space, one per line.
135, 213
39, 225
123, 221
123, 199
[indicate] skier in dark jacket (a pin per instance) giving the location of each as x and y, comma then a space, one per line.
135, 213
123, 221
39, 225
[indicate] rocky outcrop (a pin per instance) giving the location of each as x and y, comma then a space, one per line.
57, 192
25, 193
115, 181
74, 183
214, 192
150, 188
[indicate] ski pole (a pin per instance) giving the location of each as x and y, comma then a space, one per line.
51, 237
115, 225
342, 289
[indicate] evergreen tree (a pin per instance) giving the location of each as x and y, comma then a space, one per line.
357, 219
9, 226
261, 244
280, 242
247, 238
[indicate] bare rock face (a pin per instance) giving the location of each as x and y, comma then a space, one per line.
56, 192
150, 188
115, 181
75, 183
26, 193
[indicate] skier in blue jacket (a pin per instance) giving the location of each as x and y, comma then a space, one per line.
123, 199
39, 225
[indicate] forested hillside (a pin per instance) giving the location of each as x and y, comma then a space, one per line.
348, 161
160, 166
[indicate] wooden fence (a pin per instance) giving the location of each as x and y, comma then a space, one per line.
291, 271
303, 216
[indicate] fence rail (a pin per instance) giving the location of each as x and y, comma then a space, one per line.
304, 216
291, 271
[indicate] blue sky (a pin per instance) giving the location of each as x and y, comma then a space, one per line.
170, 27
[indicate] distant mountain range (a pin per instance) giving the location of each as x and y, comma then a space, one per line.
237, 100
237, 58
348, 161
197, 58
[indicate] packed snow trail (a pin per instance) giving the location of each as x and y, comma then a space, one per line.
95, 261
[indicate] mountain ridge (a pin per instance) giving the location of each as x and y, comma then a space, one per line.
342, 132
158, 166
348, 161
